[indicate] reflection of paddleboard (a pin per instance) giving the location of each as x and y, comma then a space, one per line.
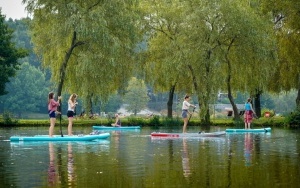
184, 135
116, 128
59, 138
268, 129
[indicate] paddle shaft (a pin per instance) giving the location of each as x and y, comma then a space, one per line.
60, 119
191, 115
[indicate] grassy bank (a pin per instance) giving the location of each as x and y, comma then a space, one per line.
153, 121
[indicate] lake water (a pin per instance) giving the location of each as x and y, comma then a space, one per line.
133, 159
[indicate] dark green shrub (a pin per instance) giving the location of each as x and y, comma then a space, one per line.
154, 121
8, 118
293, 119
172, 121
133, 120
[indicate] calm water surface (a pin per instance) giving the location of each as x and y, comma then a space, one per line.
133, 159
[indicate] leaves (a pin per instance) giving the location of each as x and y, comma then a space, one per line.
9, 55
100, 36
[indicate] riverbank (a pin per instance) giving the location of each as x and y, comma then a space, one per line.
153, 121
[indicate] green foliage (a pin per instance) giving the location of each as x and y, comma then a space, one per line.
27, 91
136, 96
137, 121
172, 121
293, 120
206, 43
8, 118
88, 45
9, 55
155, 121
22, 39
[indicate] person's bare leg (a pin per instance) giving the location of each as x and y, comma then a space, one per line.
185, 120
70, 126
51, 128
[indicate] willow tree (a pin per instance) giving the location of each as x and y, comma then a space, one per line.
201, 48
249, 54
287, 26
88, 45
163, 64
219, 46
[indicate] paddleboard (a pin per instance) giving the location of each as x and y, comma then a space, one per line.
182, 135
116, 128
268, 129
59, 138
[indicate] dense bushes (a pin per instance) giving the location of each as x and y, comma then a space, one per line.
293, 119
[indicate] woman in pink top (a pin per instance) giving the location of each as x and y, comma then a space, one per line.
52, 109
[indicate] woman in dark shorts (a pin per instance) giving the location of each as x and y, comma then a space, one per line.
71, 111
52, 109
185, 111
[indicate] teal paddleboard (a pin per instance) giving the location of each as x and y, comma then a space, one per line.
116, 128
59, 138
268, 129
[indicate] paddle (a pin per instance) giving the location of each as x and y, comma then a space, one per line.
61, 134
191, 115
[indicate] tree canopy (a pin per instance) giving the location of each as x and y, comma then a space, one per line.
87, 45
27, 91
9, 54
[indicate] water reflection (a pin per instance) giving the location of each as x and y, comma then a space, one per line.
116, 137
185, 159
248, 148
56, 173
52, 170
71, 168
139, 161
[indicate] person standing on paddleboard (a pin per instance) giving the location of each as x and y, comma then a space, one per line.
52, 109
185, 111
248, 116
71, 112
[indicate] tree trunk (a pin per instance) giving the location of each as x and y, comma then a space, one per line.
64, 65
170, 101
257, 105
234, 107
298, 99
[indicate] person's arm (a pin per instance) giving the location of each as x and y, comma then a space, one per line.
72, 104
192, 105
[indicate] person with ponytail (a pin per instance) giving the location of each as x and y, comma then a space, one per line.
52, 110
71, 112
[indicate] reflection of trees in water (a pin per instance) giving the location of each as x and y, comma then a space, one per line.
229, 165
171, 150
